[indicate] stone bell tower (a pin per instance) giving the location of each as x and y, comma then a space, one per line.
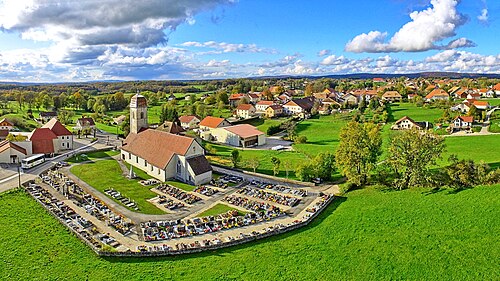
138, 113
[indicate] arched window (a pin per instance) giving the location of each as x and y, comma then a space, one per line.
142, 115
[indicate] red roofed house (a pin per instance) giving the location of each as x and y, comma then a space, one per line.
211, 122
406, 123
299, 106
437, 94
262, 105
167, 156
11, 152
243, 135
245, 111
481, 105
189, 121
462, 123
52, 137
234, 99
496, 88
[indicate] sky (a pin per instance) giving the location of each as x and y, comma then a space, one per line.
95, 40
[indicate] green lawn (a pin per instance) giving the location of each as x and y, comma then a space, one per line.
219, 209
373, 235
93, 156
104, 174
264, 124
478, 148
322, 133
181, 185
418, 114
493, 102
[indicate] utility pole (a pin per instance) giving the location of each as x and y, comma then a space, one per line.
19, 174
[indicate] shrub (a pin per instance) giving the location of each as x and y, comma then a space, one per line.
301, 139
273, 130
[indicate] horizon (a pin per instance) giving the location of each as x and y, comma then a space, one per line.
84, 42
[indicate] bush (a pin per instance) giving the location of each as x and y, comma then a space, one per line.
301, 139
274, 129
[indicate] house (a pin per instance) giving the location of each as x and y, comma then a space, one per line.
481, 105
406, 123
167, 156
324, 109
437, 94
321, 96
243, 135
496, 88
274, 110
234, 99
211, 122
461, 93
189, 121
11, 152
299, 106
284, 98
392, 96
245, 111
119, 120
46, 116
6, 125
378, 80
4, 134
254, 97
52, 137
463, 107
262, 105
461, 123
473, 95
172, 128
85, 124
349, 99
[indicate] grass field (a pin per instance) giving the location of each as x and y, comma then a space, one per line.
373, 235
104, 174
322, 133
183, 186
478, 148
218, 209
418, 114
93, 156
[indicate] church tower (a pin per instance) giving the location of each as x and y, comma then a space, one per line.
138, 113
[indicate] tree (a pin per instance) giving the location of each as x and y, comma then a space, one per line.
411, 153
309, 90
64, 116
322, 166
253, 163
235, 157
125, 126
168, 113
358, 151
466, 173
267, 95
11, 137
474, 112
276, 165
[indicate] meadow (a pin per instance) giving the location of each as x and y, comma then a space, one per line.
369, 234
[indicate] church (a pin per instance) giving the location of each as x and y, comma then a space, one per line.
160, 154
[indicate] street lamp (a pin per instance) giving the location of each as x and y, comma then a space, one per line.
19, 173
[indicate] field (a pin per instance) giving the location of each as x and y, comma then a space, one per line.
104, 174
478, 148
368, 235
418, 114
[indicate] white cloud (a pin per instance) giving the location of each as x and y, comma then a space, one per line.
483, 16
424, 32
323, 53
223, 47
334, 60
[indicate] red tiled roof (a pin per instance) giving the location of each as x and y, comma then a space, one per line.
236, 96
437, 92
481, 103
211, 122
391, 94
265, 102
405, 118
244, 107
468, 119
244, 130
57, 128
496, 87
157, 147
187, 118
4, 145
275, 107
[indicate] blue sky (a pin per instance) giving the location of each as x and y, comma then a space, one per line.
201, 39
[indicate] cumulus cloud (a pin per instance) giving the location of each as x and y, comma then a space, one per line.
483, 16
334, 60
424, 32
95, 26
223, 47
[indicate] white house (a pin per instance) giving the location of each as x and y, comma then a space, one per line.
208, 123
462, 123
11, 152
167, 156
262, 105
406, 123
189, 121
6, 125
245, 111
